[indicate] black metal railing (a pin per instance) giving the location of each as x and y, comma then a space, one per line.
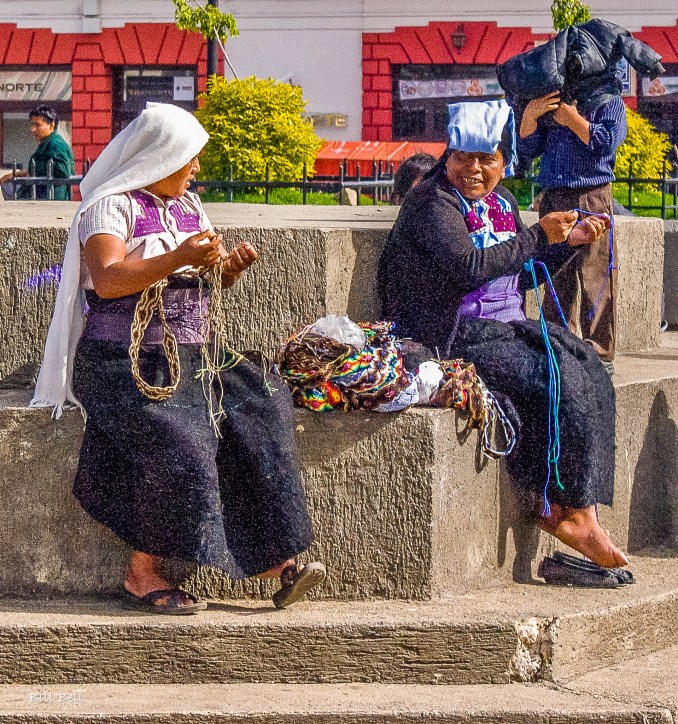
665, 185
48, 182
378, 184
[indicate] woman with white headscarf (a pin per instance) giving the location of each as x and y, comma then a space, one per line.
188, 449
452, 277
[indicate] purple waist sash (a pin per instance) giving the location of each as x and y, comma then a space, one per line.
185, 311
499, 299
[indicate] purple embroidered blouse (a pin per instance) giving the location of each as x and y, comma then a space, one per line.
490, 221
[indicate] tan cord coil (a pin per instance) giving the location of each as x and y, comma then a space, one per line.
151, 300
217, 355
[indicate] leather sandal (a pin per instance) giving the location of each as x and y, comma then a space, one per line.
563, 573
174, 605
297, 580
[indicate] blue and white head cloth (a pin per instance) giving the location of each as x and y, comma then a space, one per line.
478, 126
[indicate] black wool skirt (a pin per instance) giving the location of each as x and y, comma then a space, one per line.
156, 474
511, 360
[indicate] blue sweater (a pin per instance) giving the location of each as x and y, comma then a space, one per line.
568, 161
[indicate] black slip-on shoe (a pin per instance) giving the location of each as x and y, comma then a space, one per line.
623, 575
559, 573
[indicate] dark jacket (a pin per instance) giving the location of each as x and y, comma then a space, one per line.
53, 147
582, 62
429, 262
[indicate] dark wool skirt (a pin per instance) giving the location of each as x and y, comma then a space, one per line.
156, 474
511, 360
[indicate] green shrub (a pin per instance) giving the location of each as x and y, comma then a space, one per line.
253, 123
645, 149
569, 12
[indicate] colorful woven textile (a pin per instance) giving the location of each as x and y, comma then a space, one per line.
324, 374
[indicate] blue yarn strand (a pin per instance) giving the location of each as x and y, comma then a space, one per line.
553, 452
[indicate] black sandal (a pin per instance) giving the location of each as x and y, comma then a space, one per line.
564, 570
297, 580
174, 605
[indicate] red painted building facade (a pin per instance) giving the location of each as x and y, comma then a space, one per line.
457, 59
101, 98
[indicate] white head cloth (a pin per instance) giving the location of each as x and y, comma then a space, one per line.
478, 126
163, 139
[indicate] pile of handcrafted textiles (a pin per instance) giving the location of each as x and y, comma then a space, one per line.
336, 364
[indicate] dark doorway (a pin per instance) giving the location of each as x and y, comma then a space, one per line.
134, 87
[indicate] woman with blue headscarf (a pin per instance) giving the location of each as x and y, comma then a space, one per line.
452, 277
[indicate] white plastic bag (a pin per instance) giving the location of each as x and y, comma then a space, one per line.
340, 328
429, 376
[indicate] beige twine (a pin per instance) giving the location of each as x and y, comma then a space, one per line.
217, 354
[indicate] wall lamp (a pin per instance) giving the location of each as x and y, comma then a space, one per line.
459, 37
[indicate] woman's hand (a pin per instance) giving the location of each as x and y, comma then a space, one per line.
199, 250
590, 230
236, 262
535, 109
558, 225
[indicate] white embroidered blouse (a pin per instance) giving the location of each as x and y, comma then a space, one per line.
148, 225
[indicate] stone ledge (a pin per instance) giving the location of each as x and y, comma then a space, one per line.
322, 263
401, 507
494, 635
323, 704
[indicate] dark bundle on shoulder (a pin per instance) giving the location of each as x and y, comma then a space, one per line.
582, 62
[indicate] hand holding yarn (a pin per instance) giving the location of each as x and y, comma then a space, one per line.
200, 250
590, 230
558, 225
238, 260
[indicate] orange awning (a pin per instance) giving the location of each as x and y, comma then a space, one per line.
365, 153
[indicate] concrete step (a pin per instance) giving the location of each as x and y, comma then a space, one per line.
498, 635
314, 704
401, 508
652, 678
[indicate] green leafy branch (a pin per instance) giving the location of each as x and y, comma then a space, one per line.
207, 20
569, 12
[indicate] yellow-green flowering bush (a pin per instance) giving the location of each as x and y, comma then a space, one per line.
253, 122
645, 148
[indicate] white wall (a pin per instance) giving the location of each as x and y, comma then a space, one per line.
367, 15
317, 43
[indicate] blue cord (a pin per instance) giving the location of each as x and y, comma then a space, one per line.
611, 266
553, 451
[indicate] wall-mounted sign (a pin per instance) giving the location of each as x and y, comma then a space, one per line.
411, 90
328, 120
184, 88
35, 85
156, 88
662, 86
627, 75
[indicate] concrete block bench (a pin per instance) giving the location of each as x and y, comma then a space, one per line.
314, 261
402, 509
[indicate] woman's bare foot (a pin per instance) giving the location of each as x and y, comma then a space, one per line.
143, 576
579, 529
277, 571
